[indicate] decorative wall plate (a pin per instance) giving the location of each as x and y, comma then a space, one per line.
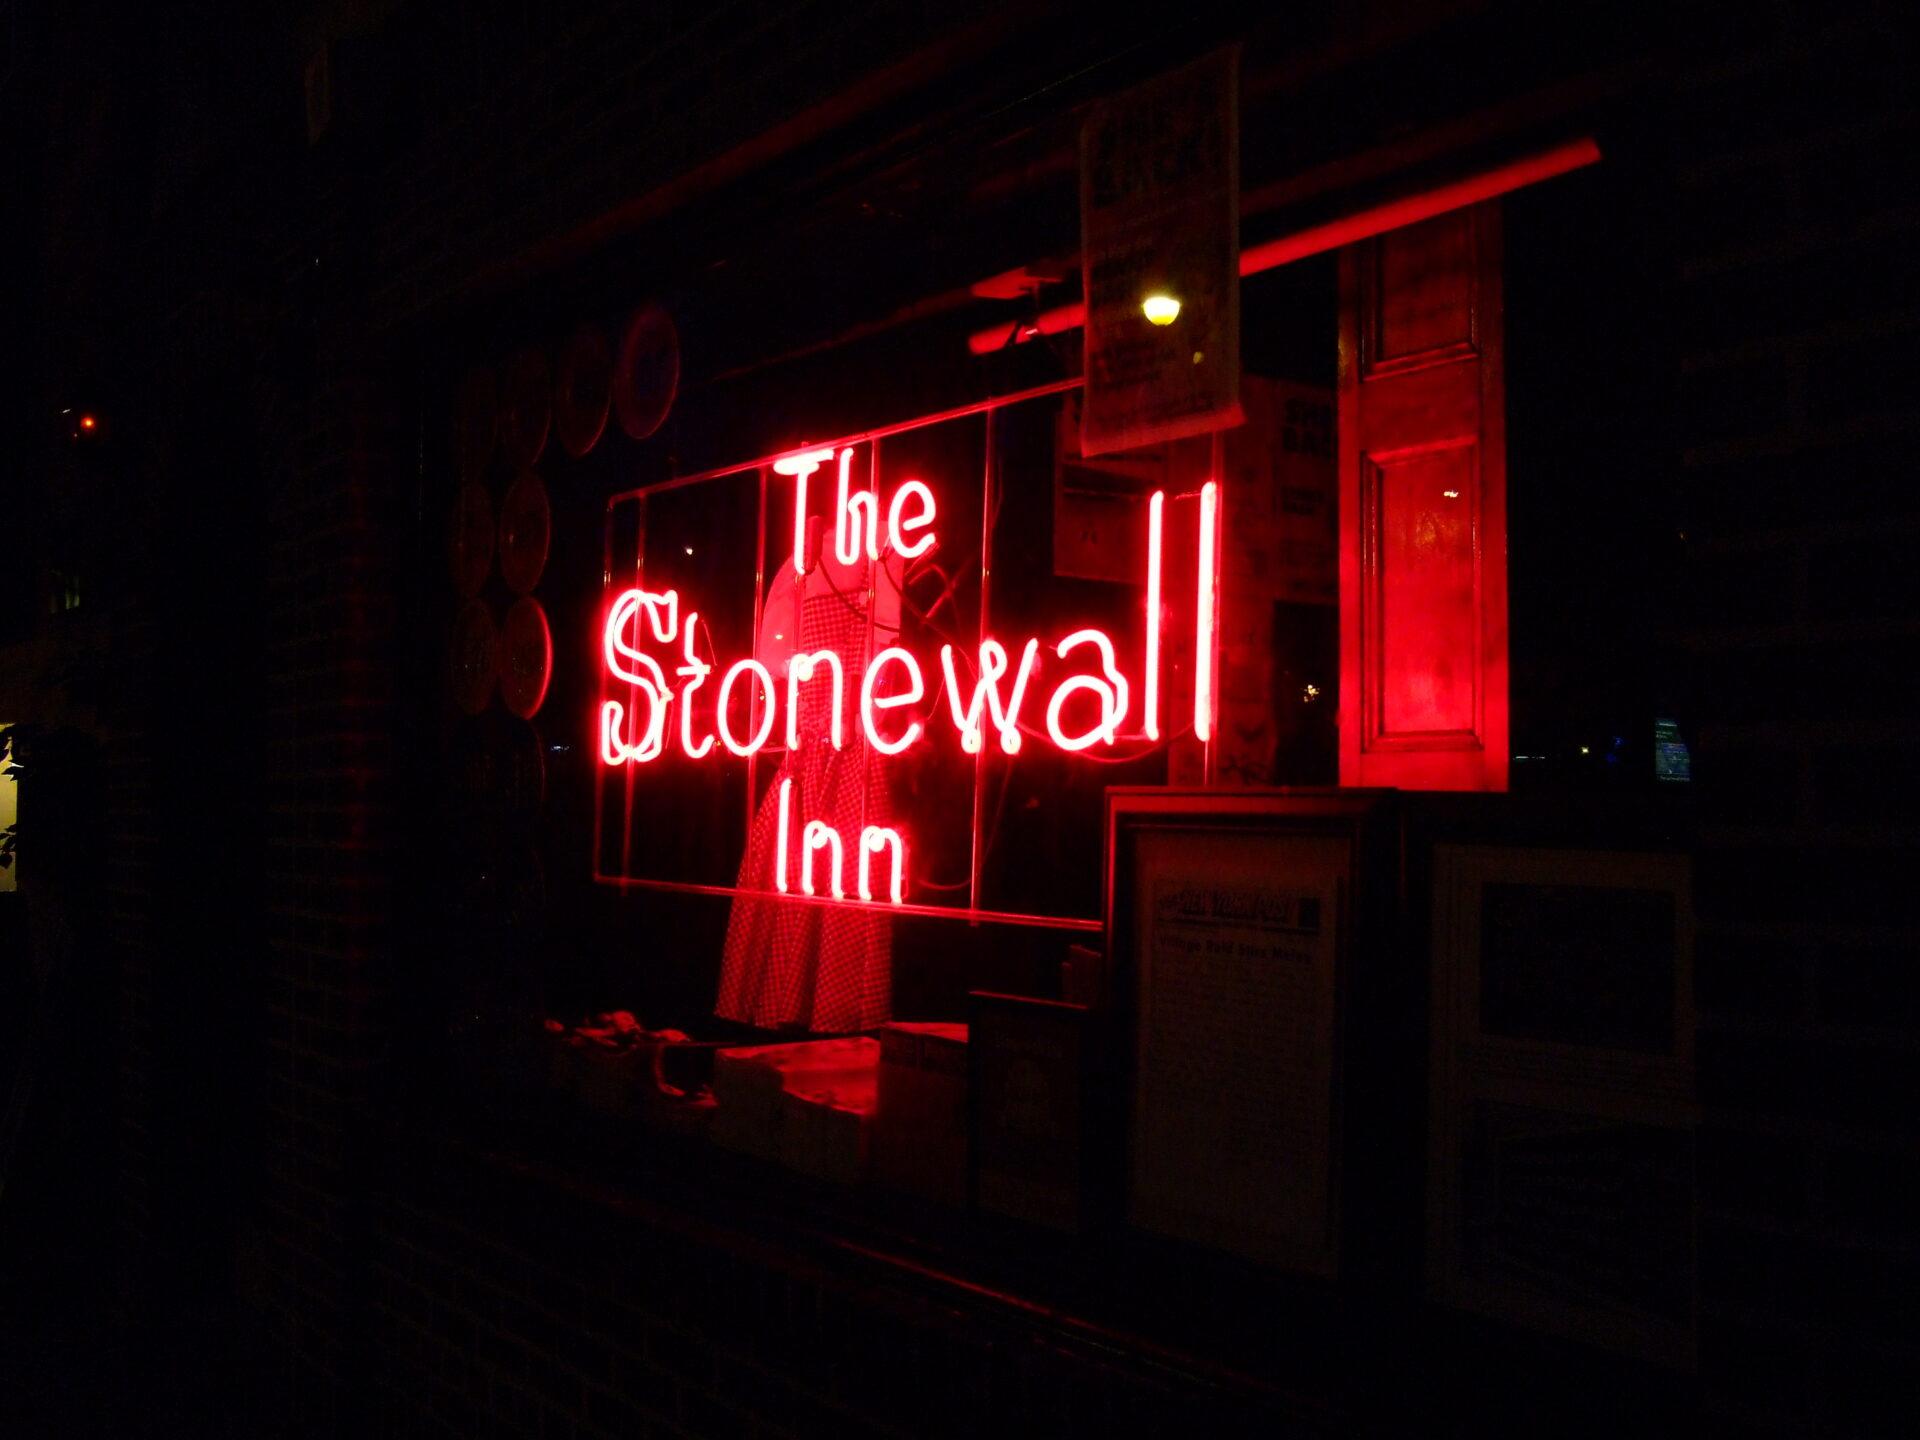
470, 539
647, 375
583, 390
526, 406
525, 657
526, 528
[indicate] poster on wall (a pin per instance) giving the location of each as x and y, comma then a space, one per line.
1160, 256
1561, 1169
1230, 921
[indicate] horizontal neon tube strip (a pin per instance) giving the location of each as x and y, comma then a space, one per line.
1316, 240
945, 912
959, 412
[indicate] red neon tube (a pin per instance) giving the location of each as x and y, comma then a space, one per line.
1317, 239
1156, 510
945, 912
1204, 659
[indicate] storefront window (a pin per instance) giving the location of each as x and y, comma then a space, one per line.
925, 555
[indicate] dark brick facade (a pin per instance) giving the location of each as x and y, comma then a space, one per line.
330, 685
564, 1313
1799, 329
392, 1302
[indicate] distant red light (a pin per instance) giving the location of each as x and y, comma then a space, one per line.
87, 422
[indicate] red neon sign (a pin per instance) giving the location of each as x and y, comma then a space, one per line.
872, 699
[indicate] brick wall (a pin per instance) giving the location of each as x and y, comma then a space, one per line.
559, 131
518, 136
393, 1304
450, 1327
1800, 396
330, 677
538, 1312
131, 851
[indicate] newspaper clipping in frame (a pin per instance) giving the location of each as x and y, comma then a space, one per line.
1232, 1128
1160, 246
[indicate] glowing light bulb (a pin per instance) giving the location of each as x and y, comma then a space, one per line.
1160, 309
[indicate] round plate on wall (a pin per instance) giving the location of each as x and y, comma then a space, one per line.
471, 660
475, 411
526, 529
647, 375
526, 657
526, 406
583, 391
470, 539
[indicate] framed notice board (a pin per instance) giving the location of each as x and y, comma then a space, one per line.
1561, 1160
1245, 931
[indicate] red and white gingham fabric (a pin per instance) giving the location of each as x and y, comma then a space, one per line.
824, 968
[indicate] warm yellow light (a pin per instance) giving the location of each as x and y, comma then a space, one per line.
1160, 309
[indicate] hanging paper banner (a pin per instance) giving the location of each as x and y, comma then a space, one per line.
1160, 256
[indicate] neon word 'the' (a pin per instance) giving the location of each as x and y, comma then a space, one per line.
887, 697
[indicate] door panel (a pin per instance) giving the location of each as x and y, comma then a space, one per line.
1423, 563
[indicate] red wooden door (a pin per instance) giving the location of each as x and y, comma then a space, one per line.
1423, 508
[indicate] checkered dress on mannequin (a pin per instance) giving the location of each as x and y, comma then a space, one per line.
823, 968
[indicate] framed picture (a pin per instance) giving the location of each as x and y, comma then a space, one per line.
1562, 1105
1028, 1065
1244, 928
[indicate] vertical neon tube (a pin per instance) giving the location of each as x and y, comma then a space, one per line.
819, 835
800, 522
1203, 657
696, 670
849, 526
1156, 515
874, 839
846, 548
780, 850
800, 467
